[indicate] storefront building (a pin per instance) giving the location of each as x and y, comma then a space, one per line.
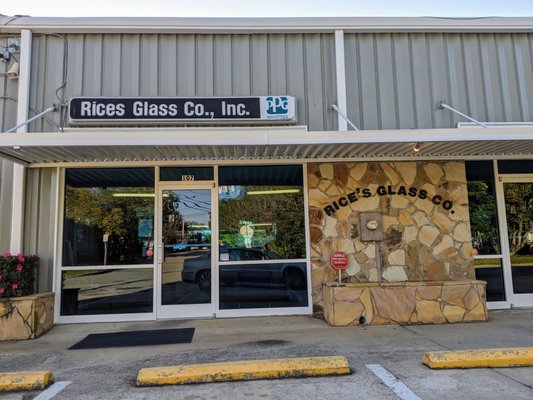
184, 168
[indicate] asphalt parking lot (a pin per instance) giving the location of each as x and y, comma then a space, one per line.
374, 354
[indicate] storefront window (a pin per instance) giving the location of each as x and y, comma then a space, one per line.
482, 208
262, 237
109, 217
263, 207
484, 227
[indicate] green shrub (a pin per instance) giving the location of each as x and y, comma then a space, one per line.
17, 275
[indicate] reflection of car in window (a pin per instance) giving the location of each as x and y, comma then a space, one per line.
292, 274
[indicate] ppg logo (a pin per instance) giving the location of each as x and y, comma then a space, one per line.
277, 105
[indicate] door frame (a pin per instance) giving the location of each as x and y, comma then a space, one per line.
189, 310
515, 300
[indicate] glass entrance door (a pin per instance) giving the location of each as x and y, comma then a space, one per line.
185, 264
518, 196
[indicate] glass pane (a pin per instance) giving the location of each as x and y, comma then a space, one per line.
262, 285
519, 211
490, 270
109, 217
515, 166
111, 291
270, 218
187, 242
261, 220
482, 208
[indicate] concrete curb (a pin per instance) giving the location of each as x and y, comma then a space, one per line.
481, 358
36, 380
243, 370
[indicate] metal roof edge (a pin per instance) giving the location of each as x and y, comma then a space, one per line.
14, 24
252, 136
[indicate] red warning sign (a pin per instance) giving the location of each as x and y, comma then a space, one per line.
339, 260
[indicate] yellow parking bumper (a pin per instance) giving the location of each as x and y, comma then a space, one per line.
481, 358
243, 370
12, 381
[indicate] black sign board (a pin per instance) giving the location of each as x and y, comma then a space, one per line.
105, 110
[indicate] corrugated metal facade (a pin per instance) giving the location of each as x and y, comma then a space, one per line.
39, 221
301, 65
6, 183
396, 81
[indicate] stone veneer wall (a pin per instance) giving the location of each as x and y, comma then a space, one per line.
405, 303
424, 207
26, 317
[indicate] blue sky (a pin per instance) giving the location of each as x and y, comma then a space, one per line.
268, 8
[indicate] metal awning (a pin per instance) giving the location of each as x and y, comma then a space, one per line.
223, 145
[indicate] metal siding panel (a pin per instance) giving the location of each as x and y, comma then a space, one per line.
524, 73
457, 73
167, 73
8, 113
403, 80
296, 74
313, 64
222, 65
92, 75
473, 82
492, 92
149, 65
111, 65
31, 212
353, 79
508, 77
38, 71
39, 221
241, 65
368, 67
6, 190
329, 81
422, 82
46, 227
277, 65
75, 65
186, 73
439, 79
204, 65
130, 59
260, 64
386, 85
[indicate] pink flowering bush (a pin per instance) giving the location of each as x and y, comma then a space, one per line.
17, 274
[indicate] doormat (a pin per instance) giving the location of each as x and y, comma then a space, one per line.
135, 338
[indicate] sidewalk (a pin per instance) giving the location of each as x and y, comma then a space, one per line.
110, 373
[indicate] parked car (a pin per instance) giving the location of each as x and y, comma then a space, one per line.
180, 247
198, 269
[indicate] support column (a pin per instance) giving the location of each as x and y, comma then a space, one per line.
19, 172
340, 69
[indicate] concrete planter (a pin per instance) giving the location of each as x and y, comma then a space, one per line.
405, 303
26, 317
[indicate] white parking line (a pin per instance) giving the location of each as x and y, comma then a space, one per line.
53, 390
399, 388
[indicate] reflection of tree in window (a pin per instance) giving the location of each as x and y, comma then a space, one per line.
519, 206
98, 211
279, 218
482, 208
174, 228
